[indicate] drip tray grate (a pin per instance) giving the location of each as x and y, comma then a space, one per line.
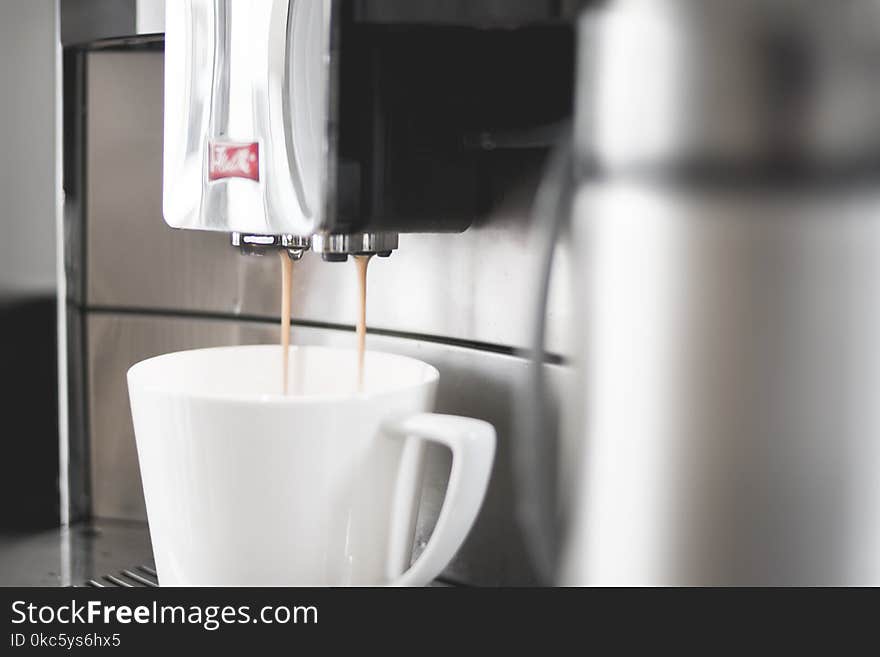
137, 577
145, 576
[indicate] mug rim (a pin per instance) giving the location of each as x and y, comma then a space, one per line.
432, 376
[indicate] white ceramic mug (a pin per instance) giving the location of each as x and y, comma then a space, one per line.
246, 486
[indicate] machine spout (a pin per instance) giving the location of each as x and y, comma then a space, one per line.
336, 247
333, 247
251, 244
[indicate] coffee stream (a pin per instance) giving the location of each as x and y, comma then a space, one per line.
286, 290
361, 262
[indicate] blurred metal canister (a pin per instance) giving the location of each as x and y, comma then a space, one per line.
727, 223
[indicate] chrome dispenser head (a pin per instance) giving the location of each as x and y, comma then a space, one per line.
249, 244
338, 246
246, 115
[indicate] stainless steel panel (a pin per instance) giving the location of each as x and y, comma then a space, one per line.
78, 449
89, 20
114, 344
125, 232
474, 286
68, 556
86, 21
473, 382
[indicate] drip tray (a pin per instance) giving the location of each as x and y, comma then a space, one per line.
138, 577
145, 576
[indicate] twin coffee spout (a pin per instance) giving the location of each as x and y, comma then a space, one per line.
333, 247
250, 244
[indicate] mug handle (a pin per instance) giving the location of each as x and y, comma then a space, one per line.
472, 443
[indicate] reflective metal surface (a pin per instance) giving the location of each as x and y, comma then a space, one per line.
69, 556
136, 577
683, 82
87, 21
331, 245
730, 297
731, 376
245, 131
295, 245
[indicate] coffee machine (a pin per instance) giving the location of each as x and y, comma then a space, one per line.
695, 275
417, 130
291, 125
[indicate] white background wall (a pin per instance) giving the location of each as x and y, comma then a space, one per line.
27, 145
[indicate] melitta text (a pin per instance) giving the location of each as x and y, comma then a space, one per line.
233, 160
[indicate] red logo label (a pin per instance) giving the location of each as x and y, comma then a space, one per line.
233, 160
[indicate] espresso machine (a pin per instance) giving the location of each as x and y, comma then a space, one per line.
287, 127
205, 134
639, 237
